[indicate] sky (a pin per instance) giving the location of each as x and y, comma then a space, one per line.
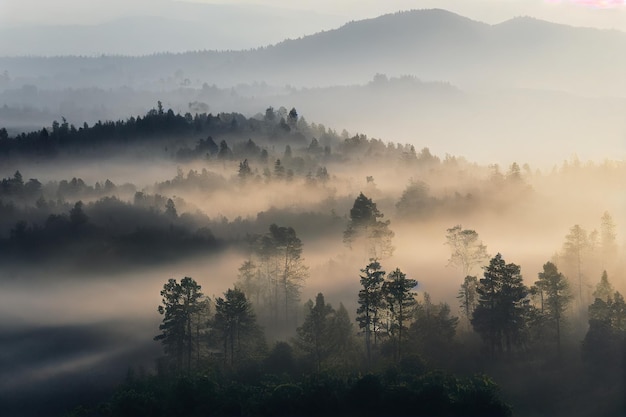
594, 13
139, 27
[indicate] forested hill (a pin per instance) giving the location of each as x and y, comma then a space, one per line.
163, 133
430, 44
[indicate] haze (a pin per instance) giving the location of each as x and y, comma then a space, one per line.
34, 27
155, 139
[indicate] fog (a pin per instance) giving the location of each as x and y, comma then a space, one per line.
525, 219
513, 129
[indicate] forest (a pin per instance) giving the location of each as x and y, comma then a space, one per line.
269, 265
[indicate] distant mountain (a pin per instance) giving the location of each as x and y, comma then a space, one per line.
430, 44
440, 45
180, 27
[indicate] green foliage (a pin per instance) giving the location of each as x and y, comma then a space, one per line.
432, 394
499, 316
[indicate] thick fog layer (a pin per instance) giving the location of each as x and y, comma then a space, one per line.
441, 147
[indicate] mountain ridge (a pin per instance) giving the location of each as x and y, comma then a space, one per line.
431, 44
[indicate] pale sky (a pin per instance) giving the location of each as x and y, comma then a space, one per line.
595, 13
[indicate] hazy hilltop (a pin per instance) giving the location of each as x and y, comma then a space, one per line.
401, 77
431, 44
171, 27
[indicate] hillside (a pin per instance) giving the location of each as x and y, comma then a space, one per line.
430, 44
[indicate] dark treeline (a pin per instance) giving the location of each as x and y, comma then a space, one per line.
132, 222
157, 125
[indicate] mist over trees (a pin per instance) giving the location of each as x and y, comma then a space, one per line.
363, 221
348, 267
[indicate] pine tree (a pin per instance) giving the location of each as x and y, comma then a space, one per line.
468, 297
236, 322
371, 302
608, 238
314, 334
400, 302
180, 304
364, 224
244, 170
575, 251
499, 317
556, 297
342, 342
604, 289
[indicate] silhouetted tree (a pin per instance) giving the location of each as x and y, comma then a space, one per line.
343, 352
292, 118
270, 115
468, 297
279, 170
603, 344
371, 302
575, 250
180, 303
415, 200
244, 170
235, 323
314, 334
364, 224
499, 315
249, 281
77, 215
170, 209
604, 290
224, 152
608, 238
292, 271
400, 301
555, 299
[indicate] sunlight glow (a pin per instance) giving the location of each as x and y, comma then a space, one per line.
601, 4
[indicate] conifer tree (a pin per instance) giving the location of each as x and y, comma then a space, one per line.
181, 302
556, 297
371, 302
400, 302
499, 317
